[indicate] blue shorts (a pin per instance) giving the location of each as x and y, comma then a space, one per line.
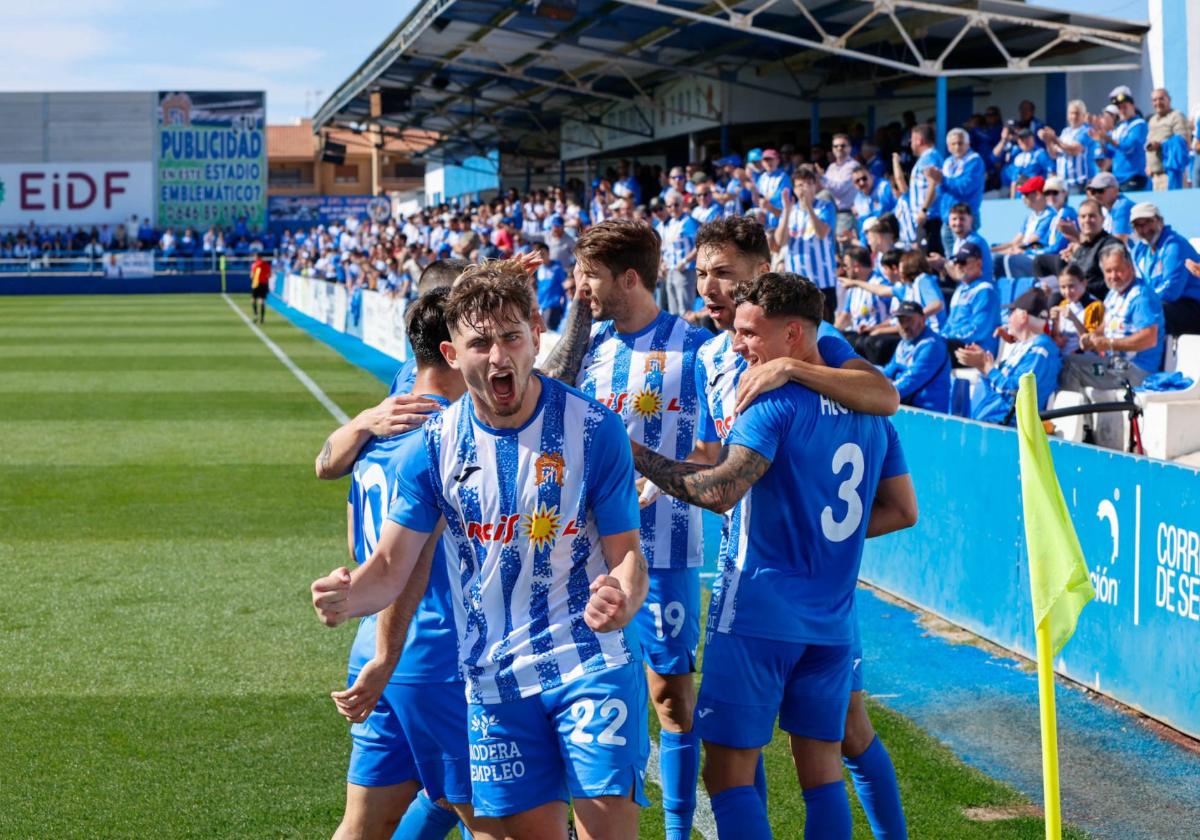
749, 681
856, 656
669, 621
434, 717
585, 739
380, 755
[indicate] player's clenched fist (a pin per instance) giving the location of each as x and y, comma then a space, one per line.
608, 608
329, 595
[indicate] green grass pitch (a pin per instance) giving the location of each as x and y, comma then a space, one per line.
162, 671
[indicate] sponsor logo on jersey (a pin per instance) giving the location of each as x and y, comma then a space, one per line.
646, 403
541, 527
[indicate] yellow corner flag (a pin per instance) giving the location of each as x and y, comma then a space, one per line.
1058, 578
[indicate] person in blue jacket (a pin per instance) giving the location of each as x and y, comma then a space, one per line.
1127, 141
975, 305
1160, 255
995, 394
920, 369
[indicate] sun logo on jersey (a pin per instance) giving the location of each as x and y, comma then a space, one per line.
656, 360
647, 403
541, 526
549, 467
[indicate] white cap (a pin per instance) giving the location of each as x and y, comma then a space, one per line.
870, 224
1054, 184
1144, 210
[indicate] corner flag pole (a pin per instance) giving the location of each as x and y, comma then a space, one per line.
222, 264
1050, 792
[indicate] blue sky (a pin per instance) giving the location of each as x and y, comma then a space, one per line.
288, 49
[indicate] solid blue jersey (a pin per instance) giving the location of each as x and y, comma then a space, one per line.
974, 314
995, 393
649, 379
962, 182
1164, 267
985, 251
1032, 164
795, 539
550, 278
924, 290
920, 370
1116, 220
1129, 148
525, 510
1130, 311
402, 382
720, 368
431, 646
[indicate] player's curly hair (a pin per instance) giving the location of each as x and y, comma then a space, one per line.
782, 294
490, 291
622, 244
745, 234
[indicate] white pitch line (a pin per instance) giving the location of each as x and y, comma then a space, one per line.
703, 823
304, 378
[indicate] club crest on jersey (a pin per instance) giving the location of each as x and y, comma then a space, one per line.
549, 467
656, 360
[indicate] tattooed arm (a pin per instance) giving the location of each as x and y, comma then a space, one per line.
564, 361
717, 488
393, 416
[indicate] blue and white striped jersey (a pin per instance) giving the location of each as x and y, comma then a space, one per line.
704, 215
678, 240
1076, 169
525, 509
809, 255
919, 185
649, 379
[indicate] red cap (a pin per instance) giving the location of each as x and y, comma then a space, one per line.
770, 153
1031, 185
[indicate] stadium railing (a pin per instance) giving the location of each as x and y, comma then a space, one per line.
73, 263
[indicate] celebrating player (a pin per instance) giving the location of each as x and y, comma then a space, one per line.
641, 362
800, 473
535, 484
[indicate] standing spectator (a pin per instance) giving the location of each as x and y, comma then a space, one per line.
806, 232
873, 198
922, 193
601, 198
706, 209
166, 245
551, 296
1163, 124
1030, 162
561, 243
920, 368
626, 186
676, 180
769, 184
1196, 152
873, 160
960, 181
1161, 255
679, 255
975, 304
1073, 150
1027, 119
995, 394
838, 178
1018, 253
1127, 141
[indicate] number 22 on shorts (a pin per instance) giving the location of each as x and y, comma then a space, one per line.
584, 710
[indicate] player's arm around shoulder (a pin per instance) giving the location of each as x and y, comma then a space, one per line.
395, 415
857, 384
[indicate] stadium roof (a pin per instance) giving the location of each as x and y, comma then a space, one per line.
487, 74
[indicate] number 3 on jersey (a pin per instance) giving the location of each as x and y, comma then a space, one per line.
835, 531
584, 710
673, 614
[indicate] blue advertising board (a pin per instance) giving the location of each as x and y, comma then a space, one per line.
1138, 521
301, 211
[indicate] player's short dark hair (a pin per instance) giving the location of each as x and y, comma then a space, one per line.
782, 295
620, 245
891, 258
963, 209
492, 290
426, 324
926, 132
440, 274
806, 172
858, 254
888, 223
747, 235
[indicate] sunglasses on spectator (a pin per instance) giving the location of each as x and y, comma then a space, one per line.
841, 146
676, 176
1050, 192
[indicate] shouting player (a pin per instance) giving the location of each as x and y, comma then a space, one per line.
800, 473
535, 484
641, 363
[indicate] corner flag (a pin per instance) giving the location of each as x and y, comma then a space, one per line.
1058, 578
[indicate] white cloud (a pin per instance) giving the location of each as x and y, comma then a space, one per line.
269, 60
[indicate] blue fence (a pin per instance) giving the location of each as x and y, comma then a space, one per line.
1138, 521
82, 284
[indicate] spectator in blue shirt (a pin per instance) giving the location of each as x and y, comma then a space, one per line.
975, 304
874, 197
959, 181
1030, 162
627, 186
1055, 190
552, 298
1161, 255
920, 369
1105, 188
962, 224
995, 394
1017, 255
1127, 141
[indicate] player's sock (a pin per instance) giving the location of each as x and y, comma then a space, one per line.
740, 813
875, 783
425, 820
679, 764
827, 812
760, 779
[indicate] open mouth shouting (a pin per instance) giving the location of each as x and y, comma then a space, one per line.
503, 386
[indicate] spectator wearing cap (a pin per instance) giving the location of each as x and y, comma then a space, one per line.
1073, 149
995, 394
626, 186
920, 367
1030, 162
961, 223
838, 178
959, 181
561, 243
975, 305
679, 255
1127, 141
806, 234
861, 310
754, 162
873, 197
769, 184
922, 193
1018, 253
1131, 338
1160, 255
1163, 124
1055, 190
1106, 189
707, 209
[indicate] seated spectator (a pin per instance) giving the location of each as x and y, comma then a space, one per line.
975, 304
994, 396
1126, 142
920, 368
861, 310
874, 198
1161, 255
551, 296
918, 285
962, 225
960, 180
1164, 124
1088, 239
1073, 149
1030, 162
1018, 253
1067, 307
1131, 337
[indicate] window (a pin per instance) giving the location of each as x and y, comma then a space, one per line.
289, 176
405, 170
345, 173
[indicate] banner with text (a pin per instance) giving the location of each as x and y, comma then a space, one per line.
212, 158
299, 211
75, 193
